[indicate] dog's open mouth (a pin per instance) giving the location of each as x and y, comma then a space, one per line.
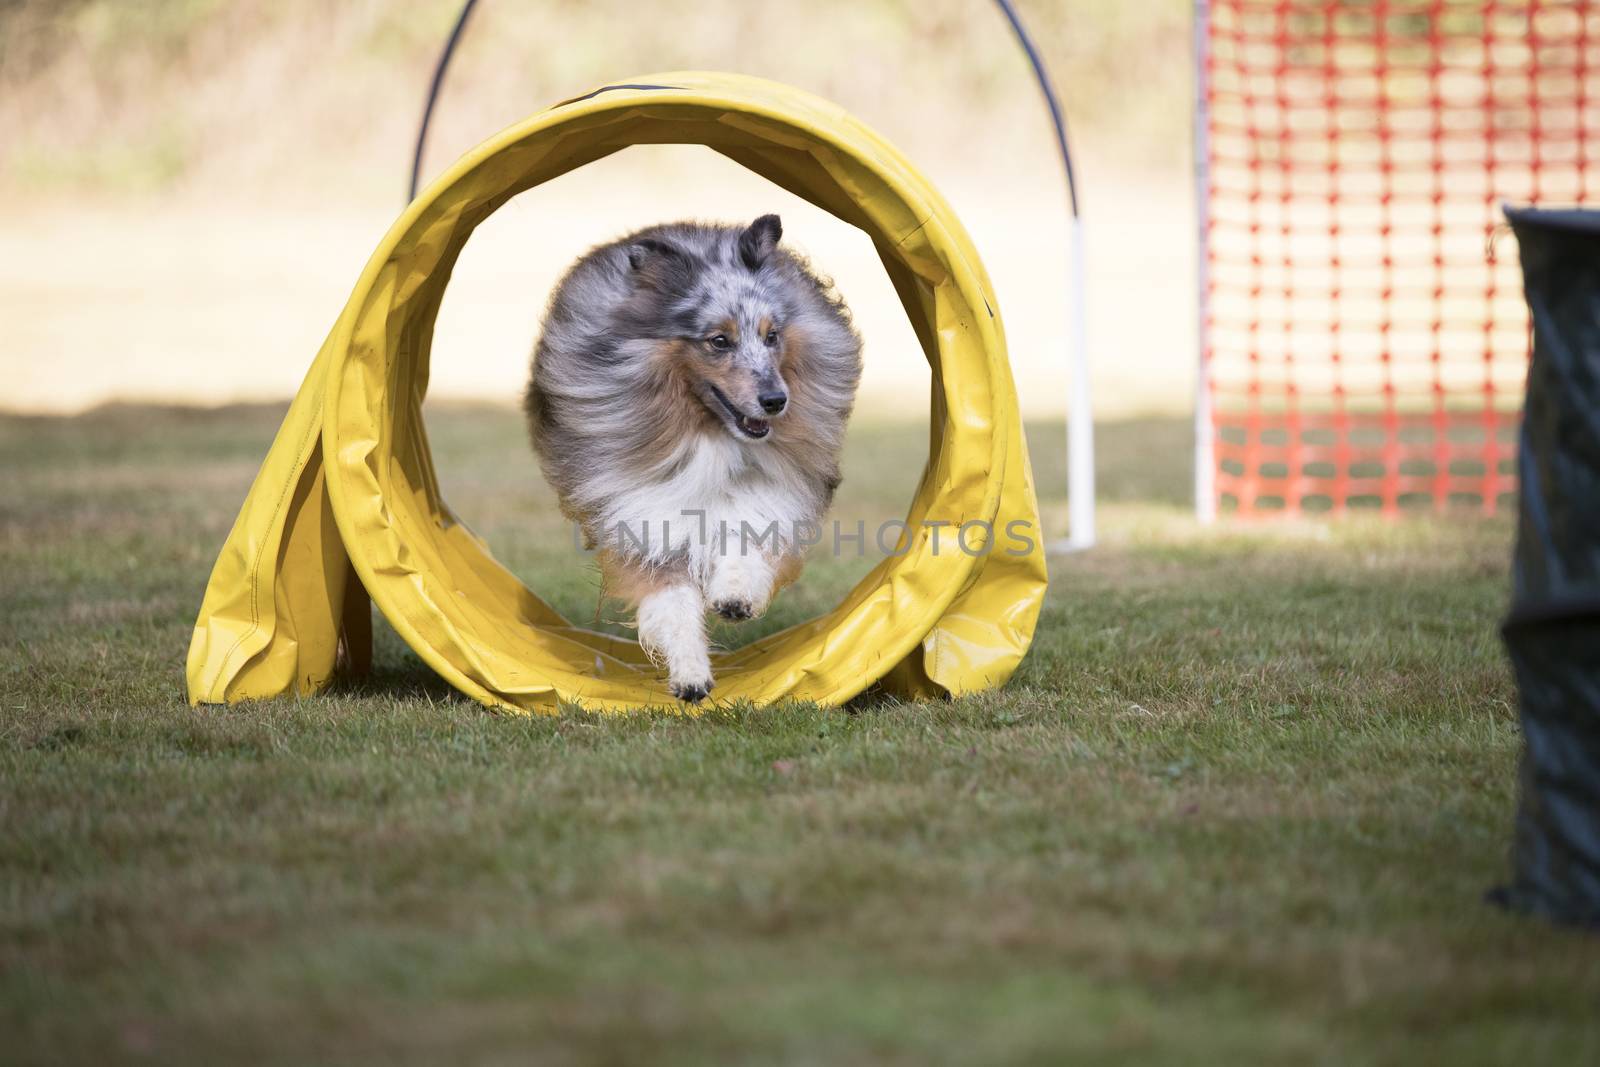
750, 427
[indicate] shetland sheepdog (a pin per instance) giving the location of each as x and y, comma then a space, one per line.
688, 402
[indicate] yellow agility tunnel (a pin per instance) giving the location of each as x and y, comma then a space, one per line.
347, 506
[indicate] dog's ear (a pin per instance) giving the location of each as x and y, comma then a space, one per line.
757, 242
658, 264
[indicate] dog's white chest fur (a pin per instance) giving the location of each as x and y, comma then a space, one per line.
715, 496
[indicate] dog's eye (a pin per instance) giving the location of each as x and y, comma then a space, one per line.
772, 337
719, 341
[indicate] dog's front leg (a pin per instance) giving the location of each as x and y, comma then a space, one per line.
672, 629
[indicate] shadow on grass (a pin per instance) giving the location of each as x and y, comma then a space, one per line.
399, 675
396, 682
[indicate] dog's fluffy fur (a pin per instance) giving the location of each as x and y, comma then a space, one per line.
688, 403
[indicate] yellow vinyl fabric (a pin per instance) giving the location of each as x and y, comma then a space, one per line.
347, 506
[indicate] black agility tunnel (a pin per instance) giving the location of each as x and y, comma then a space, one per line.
1553, 631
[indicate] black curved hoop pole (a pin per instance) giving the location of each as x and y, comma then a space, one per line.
433, 94
1057, 117
1080, 413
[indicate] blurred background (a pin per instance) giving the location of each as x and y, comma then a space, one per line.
1239, 804
189, 188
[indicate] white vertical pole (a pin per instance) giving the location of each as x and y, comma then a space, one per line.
1205, 469
1080, 411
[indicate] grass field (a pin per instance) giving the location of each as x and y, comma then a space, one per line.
1238, 805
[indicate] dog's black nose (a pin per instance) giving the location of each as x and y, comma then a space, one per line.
772, 403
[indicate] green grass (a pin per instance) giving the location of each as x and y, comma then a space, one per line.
1239, 805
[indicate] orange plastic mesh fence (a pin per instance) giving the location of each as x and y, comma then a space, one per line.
1364, 334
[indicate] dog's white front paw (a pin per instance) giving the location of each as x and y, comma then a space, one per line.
734, 610
740, 587
692, 692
